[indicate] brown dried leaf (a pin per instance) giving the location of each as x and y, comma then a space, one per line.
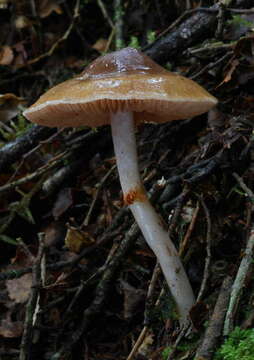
19, 289
132, 299
9, 106
100, 45
22, 22
6, 55
76, 239
47, 7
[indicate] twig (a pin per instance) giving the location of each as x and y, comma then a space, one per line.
184, 35
189, 230
12, 151
110, 233
119, 41
220, 21
21, 206
98, 188
101, 291
33, 150
178, 21
142, 335
42, 170
212, 65
86, 283
59, 41
213, 332
178, 208
30, 317
245, 188
238, 285
208, 250
138, 343
60, 175
105, 13
241, 11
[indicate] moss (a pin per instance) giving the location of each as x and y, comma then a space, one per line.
239, 345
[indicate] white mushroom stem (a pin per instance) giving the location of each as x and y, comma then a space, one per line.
123, 132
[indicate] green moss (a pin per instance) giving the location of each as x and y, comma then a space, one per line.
238, 21
165, 353
239, 345
134, 43
17, 127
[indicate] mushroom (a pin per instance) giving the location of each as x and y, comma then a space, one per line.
126, 88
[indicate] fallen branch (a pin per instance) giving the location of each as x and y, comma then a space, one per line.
213, 332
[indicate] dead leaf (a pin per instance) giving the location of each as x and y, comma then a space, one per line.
47, 7
21, 22
76, 239
132, 299
145, 347
19, 289
21, 54
9, 106
100, 45
6, 55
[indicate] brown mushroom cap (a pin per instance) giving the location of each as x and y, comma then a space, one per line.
125, 80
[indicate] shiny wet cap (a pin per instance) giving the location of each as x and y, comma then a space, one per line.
125, 80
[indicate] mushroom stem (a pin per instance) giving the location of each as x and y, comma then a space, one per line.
123, 132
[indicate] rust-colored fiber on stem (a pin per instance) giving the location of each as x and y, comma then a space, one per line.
135, 194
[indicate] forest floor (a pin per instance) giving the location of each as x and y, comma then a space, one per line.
77, 278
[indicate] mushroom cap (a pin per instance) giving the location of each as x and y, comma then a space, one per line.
125, 80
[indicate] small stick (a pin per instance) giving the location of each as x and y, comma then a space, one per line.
189, 230
243, 269
101, 291
238, 285
98, 188
32, 304
150, 292
105, 13
42, 170
245, 188
213, 332
208, 249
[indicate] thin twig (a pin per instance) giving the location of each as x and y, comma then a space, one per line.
142, 335
31, 312
189, 230
238, 285
105, 13
101, 291
245, 188
98, 188
208, 250
109, 234
59, 41
42, 170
